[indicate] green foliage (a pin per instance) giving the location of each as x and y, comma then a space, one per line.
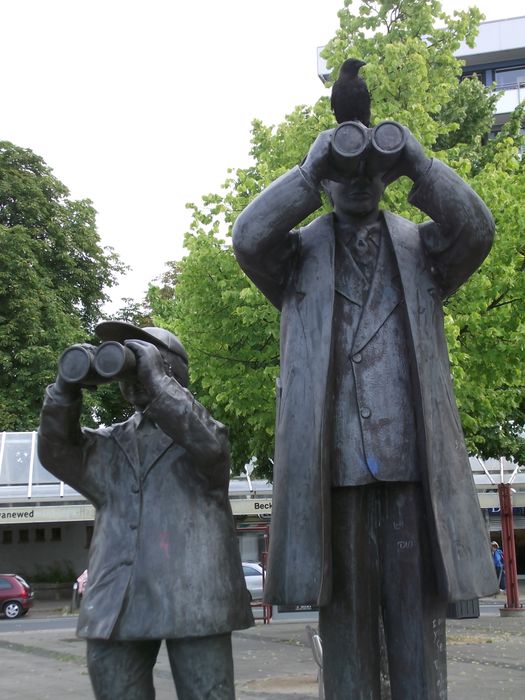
58, 572
232, 341
485, 319
52, 280
232, 333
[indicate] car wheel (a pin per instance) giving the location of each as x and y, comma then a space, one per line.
12, 609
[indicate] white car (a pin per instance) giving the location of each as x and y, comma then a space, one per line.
253, 575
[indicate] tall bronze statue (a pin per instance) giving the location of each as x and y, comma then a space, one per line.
164, 562
375, 517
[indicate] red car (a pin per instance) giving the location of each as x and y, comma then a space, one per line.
16, 595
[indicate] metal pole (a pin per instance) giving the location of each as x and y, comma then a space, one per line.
509, 549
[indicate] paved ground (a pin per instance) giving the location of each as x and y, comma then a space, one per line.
486, 660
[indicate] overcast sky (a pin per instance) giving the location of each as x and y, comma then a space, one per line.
142, 106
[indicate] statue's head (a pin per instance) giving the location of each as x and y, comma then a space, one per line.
355, 196
171, 349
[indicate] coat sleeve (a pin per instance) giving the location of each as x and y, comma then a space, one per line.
64, 447
461, 232
188, 423
263, 238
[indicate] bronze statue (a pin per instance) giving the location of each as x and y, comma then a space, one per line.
164, 561
375, 517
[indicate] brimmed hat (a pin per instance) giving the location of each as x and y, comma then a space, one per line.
161, 338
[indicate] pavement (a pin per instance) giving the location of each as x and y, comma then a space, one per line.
486, 659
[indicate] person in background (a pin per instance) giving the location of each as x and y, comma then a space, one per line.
499, 565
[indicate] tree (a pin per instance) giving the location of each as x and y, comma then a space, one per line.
53, 274
232, 332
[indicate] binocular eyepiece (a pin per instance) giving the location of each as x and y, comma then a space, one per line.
379, 147
89, 366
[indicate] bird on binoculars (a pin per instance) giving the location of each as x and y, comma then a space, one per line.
350, 100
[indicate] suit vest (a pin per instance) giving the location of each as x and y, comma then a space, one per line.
373, 421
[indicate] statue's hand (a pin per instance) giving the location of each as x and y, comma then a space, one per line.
70, 391
150, 365
413, 162
318, 164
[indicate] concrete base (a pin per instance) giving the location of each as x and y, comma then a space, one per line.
512, 612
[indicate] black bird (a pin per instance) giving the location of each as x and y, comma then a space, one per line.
350, 99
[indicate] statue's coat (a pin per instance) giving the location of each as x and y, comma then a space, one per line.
164, 560
295, 270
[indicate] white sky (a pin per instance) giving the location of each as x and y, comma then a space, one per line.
142, 106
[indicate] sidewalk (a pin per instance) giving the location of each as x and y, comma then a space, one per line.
47, 608
486, 660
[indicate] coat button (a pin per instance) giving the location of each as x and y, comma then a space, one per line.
127, 562
133, 526
135, 489
357, 357
366, 413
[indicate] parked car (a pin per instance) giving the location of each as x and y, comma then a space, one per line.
16, 595
253, 575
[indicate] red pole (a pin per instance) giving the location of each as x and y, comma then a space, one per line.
509, 548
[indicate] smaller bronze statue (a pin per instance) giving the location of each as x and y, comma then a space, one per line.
164, 560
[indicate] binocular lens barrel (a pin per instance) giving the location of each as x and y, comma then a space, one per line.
388, 137
89, 366
349, 141
114, 361
379, 148
74, 365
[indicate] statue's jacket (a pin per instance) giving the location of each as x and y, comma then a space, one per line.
295, 270
164, 560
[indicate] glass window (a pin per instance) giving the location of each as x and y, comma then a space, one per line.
41, 475
40, 534
15, 462
249, 571
4, 583
508, 79
56, 534
7, 537
23, 536
479, 76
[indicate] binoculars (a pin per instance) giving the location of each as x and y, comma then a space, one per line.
89, 366
379, 147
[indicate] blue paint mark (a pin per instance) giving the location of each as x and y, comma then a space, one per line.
372, 464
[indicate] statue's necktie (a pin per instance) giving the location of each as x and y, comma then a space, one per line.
364, 246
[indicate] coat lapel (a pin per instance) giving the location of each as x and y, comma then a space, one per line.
156, 445
418, 285
125, 436
157, 442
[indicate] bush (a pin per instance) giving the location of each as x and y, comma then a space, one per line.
54, 573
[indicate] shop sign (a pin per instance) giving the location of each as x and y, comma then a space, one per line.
251, 506
46, 514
